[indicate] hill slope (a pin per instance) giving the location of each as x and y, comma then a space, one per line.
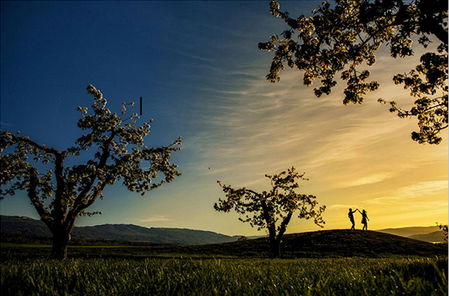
23, 227
30, 228
429, 234
433, 237
328, 243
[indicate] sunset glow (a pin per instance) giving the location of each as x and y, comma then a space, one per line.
202, 77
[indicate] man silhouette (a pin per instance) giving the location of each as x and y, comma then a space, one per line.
351, 217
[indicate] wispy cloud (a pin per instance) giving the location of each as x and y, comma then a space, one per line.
156, 218
354, 155
408, 194
260, 128
424, 188
6, 124
371, 179
343, 206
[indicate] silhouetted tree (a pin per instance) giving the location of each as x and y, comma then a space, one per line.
273, 209
62, 193
344, 37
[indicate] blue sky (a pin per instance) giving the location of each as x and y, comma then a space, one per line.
197, 66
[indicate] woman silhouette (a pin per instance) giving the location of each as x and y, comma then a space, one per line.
364, 219
351, 217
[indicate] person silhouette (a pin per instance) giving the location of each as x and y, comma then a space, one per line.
351, 217
365, 219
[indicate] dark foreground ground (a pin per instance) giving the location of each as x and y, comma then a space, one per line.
318, 244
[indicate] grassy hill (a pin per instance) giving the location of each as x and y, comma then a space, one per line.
329, 243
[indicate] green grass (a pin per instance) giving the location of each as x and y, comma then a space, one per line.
348, 276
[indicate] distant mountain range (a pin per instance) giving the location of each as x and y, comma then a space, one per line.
24, 227
16, 227
431, 234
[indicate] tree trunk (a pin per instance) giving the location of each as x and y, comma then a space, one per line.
275, 248
275, 240
60, 243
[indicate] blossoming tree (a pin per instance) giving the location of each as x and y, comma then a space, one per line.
61, 193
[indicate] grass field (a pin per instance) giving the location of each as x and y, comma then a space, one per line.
349, 276
26, 270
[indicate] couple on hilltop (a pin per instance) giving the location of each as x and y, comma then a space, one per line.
364, 218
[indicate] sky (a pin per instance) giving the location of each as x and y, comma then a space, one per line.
202, 77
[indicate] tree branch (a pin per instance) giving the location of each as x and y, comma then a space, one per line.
78, 204
36, 145
283, 226
59, 205
35, 201
270, 224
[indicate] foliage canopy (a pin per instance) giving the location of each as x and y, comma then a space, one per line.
344, 37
